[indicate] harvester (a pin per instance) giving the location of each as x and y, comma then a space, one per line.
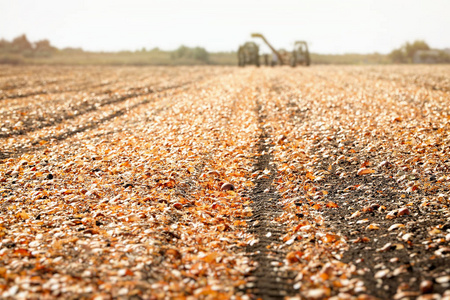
300, 54
248, 54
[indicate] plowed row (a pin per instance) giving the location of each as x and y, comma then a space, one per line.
112, 183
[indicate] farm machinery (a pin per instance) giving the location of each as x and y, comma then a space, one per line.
300, 54
248, 54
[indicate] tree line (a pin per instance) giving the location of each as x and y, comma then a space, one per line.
418, 51
21, 50
21, 45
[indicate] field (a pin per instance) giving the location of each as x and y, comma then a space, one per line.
327, 182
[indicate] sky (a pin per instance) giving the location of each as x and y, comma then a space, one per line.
329, 26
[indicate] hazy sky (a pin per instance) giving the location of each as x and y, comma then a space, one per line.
330, 26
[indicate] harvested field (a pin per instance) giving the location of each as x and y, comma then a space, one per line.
225, 183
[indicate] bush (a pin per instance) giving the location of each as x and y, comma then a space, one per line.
197, 53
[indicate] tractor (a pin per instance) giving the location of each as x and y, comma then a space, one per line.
248, 54
300, 55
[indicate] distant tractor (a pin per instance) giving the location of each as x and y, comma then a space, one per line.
300, 55
248, 54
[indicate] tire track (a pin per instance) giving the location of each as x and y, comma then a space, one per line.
52, 92
91, 108
270, 279
75, 87
77, 84
35, 145
79, 87
84, 108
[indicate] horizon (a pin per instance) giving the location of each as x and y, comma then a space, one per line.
172, 50
347, 27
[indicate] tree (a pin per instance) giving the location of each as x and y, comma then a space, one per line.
182, 51
197, 53
43, 45
43, 48
398, 56
5, 46
411, 49
201, 54
406, 52
21, 44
